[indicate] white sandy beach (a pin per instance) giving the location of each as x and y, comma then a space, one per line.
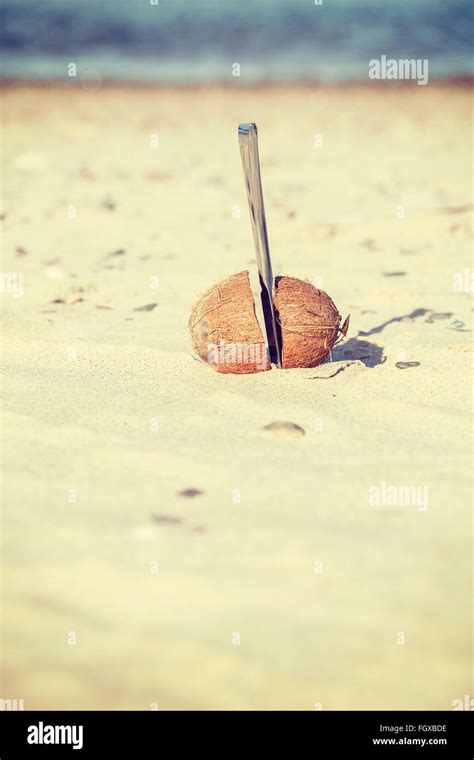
107, 417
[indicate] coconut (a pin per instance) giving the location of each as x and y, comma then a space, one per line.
226, 334
309, 322
224, 329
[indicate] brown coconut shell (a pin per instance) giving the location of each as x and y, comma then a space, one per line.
224, 329
309, 322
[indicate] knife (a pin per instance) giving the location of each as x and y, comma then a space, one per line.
248, 141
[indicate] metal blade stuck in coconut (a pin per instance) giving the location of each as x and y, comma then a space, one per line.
248, 141
300, 322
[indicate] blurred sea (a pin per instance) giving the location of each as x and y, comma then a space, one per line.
193, 41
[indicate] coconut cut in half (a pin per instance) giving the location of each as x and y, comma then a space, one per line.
308, 320
226, 334
225, 331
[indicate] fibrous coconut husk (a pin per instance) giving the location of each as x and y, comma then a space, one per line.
309, 322
224, 329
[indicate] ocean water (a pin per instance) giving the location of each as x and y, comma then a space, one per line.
189, 41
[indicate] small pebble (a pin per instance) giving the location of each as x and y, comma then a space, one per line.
147, 307
406, 365
189, 493
166, 519
438, 315
282, 428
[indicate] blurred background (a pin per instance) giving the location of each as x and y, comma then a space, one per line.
181, 41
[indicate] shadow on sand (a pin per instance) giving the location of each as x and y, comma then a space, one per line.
369, 353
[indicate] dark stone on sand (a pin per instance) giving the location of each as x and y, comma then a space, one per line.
147, 307
190, 493
407, 365
283, 428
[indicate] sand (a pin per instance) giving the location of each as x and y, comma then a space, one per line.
163, 549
